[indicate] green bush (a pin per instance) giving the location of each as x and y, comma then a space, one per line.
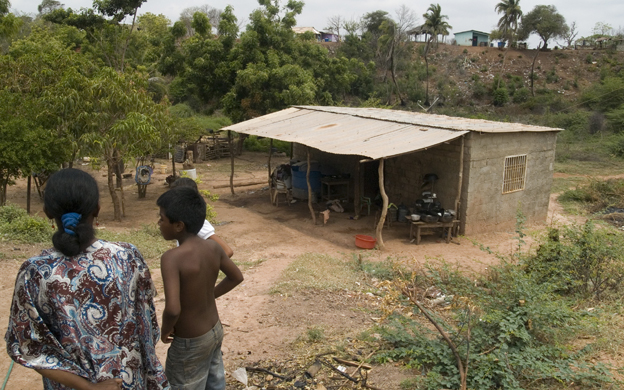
501, 96
521, 95
17, 225
616, 119
519, 328
583, 261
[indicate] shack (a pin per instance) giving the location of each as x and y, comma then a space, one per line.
486, 171
472, 38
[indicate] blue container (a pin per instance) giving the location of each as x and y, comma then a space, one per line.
299, 180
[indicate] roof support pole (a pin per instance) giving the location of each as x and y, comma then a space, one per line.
232, 162
269, 166
357, 197
460, 182
384, 207
461, 179
310, 193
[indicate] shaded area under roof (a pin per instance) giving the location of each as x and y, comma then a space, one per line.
371, 132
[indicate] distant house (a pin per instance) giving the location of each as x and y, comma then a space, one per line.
472, 38
303, 30
321, 36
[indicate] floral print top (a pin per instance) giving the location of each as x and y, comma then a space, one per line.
91, 315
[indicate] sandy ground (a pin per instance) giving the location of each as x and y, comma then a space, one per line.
259, 325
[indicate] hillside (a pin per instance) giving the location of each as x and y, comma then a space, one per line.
566, 72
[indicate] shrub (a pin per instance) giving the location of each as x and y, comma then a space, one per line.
17, 225
584, 261
521, 95
501, 96
518, 330
589, 59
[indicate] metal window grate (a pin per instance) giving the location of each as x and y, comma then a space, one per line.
515, 173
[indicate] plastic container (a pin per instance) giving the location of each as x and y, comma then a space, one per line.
192, 173
299, 180
364, 241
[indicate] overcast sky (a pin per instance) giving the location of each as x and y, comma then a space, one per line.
462, 15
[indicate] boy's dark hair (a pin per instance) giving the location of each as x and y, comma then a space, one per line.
185, 182
184, 204
71, 191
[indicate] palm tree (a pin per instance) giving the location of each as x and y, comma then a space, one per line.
435, 24
508, 24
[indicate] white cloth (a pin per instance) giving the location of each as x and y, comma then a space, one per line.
205, 232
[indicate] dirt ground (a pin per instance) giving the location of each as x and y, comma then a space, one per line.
259, 325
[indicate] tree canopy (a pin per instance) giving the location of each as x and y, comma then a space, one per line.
545, 21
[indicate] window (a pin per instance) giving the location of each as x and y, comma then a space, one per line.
515, 173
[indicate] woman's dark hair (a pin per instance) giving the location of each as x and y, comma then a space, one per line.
184, 204
71, 191
185, 182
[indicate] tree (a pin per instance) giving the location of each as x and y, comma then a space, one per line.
508, 22
436, 25
29, 142
9, 23
545, 21
602, 29
570, 35
392, 42
119, 120
334, 24
187, 15
48, 6
508, 25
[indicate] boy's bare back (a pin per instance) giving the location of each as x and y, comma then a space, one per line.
190, 272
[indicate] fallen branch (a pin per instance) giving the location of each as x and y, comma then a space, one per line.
240, 184
354, 364
349, 377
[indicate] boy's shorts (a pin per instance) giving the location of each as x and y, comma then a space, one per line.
197, 364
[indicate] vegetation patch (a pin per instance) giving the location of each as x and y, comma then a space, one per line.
16, 225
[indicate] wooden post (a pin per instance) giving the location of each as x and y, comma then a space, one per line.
460, 180
384, 207
232, 162
357, 195
269, 167
28, 194
173, 162
310, 193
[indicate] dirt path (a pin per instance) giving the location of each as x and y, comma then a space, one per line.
259, 325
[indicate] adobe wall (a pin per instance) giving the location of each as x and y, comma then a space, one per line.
486, 207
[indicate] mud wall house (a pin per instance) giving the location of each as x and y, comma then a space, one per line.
505, 167
472, 38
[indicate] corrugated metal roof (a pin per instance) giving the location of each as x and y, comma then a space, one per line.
369, 132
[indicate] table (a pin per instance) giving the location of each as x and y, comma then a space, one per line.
327, 184
433, 225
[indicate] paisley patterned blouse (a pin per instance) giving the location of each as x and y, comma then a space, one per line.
92, 315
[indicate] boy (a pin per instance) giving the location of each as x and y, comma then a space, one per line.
207, 231
190, 318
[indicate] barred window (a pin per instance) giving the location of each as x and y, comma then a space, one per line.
515, 173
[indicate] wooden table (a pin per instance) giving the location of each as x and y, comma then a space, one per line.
446, 226
328, 183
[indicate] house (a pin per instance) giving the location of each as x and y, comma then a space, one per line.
472, 38
321, 36
487, 171
303, 30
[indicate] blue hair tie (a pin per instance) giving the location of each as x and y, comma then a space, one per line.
70, 220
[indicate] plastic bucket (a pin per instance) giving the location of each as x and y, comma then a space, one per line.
365, 242
192, 173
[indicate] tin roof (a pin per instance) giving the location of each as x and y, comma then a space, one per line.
370, 132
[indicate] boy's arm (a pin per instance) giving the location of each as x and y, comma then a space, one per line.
228, 251
233, 276
171, 281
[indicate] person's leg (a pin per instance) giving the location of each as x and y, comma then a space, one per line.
187, 363
216, 374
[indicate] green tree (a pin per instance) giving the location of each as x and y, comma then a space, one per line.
508, 25
9, 23
545, 21
436, 25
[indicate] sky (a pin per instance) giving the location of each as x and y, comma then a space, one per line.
462, 15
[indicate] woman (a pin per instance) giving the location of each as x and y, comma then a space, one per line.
82, 314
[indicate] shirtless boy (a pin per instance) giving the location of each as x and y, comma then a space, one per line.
190, 319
